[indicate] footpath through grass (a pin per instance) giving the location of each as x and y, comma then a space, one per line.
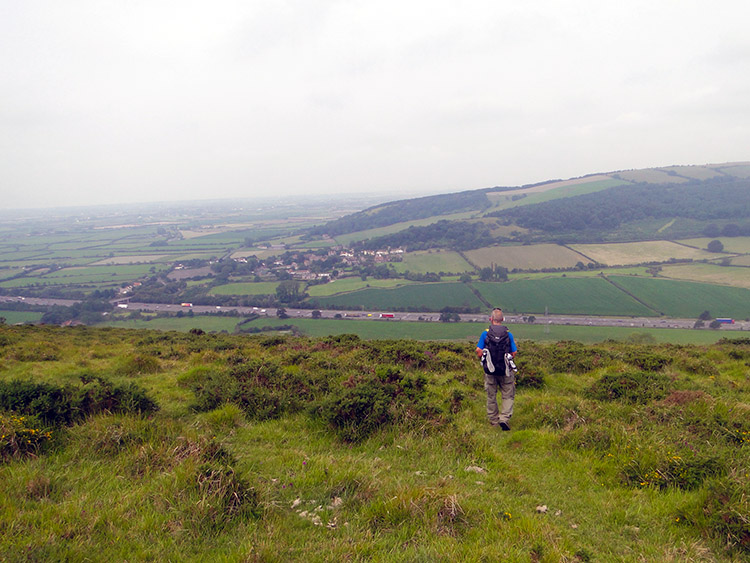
282, 448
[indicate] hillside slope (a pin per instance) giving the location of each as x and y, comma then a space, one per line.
702, 201
140, 445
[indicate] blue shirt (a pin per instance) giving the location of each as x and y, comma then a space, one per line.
483, 338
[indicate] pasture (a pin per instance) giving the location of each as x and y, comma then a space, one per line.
424, 261
424, 296
625, 271
381, 329
562, 296
133, 259
86, 276
552, 190
688, 299
651, 176
696, 172
346, 285
532, 257
245, 288
207, 323
14, 317
741, 170
626, 253
708, 273
732, 245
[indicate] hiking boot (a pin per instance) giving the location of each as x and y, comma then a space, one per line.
504, 426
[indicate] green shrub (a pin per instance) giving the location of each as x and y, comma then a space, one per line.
263, 389
356, 413
36, 352
588, 437
672, 471
357, 410
697, 366
138, 364
22, 436
530, 375
726, 513
647, 361
631, 387
59, 405
574, 357
456, 401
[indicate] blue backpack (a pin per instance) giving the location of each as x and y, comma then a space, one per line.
497, 344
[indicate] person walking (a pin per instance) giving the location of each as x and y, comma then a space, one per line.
496, 350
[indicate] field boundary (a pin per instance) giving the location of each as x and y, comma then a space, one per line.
626, 292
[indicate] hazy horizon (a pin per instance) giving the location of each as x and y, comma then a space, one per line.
111, 103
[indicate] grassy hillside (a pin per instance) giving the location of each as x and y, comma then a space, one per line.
140, 445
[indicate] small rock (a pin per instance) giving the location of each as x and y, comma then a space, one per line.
476, 469
420, 473
541, 509
479, 482
574, 526
558, 513
296, 502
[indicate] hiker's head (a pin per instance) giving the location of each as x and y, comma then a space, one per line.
497, 316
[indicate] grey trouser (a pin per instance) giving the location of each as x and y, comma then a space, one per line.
507, 385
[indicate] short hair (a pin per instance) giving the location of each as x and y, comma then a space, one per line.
497, 315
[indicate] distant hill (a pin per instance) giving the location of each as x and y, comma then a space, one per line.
654, 203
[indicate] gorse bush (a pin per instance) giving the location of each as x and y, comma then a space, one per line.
262, 389
138, 364
21, 436
725, 513
60, 405
356, 411
672, 471
631, 387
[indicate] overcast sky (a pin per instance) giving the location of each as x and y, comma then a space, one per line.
149, 100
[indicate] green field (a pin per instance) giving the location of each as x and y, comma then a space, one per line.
425, 261
569, 296
739, 245
208, 323
688, 299
107, 275
538, 194
531, 257
427, 296
346, 285
624, 253
13, 317
625, 271
378, 329
708, 273
259, 288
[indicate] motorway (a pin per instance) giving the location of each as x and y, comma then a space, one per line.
644, 322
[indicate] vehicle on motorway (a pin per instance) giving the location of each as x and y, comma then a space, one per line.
386, 315
725, 321
186, 304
